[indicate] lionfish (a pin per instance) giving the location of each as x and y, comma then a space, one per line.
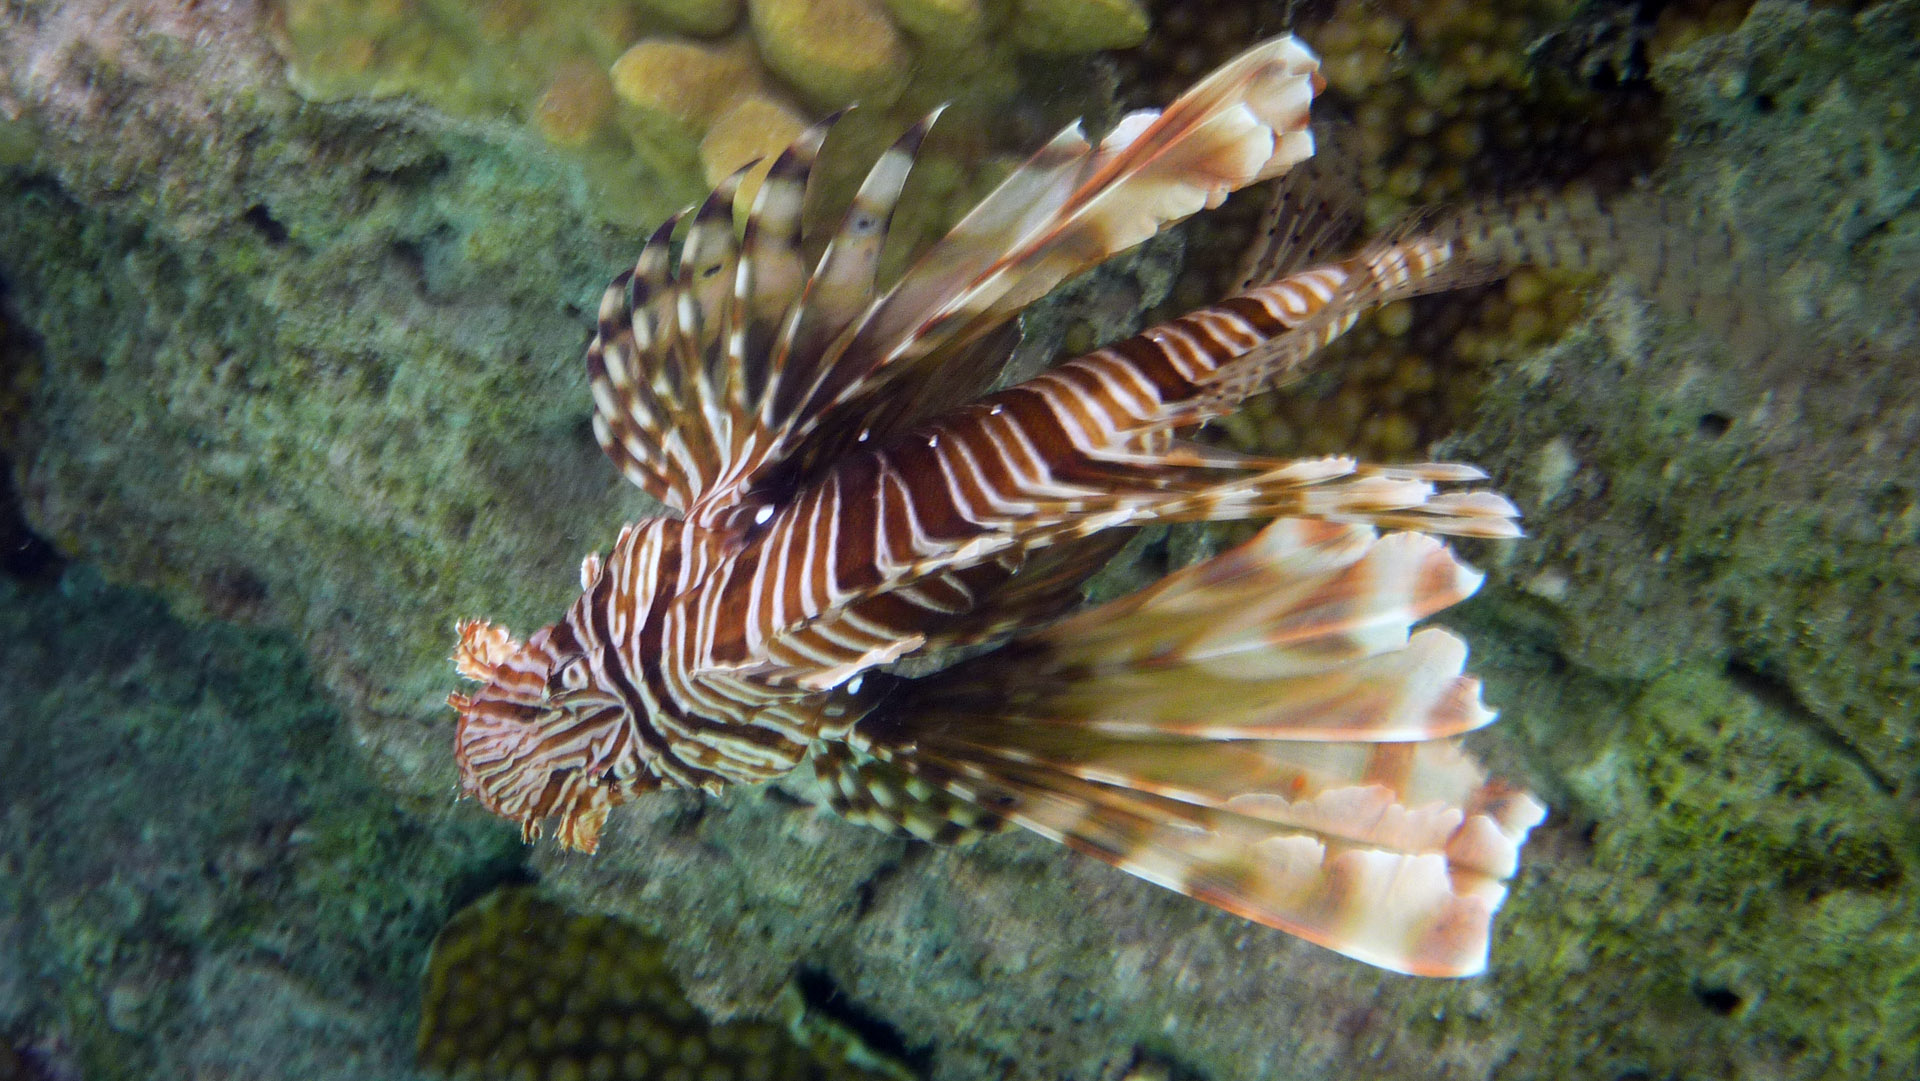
1263, 731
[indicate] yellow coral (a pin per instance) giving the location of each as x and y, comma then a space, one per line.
836, 52
754, 127
529, 58
577, 105
1077, 26
682, 84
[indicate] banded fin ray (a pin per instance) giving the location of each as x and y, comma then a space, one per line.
1072, 206
1420, 899
700, 391
1352, 819
842, 285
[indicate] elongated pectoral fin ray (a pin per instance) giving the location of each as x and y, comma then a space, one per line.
1072, 206
844, 284
1417, 895
1263, 731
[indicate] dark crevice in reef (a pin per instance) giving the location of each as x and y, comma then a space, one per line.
488, 878
1773, 691
1720, 1000
824, 997
263, 222
25, 556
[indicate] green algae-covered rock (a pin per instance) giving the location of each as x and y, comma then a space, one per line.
1695, 502
197, 876
258, 349
1728, 894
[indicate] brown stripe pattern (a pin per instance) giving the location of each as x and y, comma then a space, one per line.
1265, 731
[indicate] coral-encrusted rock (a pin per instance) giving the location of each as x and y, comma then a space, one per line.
197, 876
1696, 501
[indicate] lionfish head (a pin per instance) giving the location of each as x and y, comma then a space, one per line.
538, 740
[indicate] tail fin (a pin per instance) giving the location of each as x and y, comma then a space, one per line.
1261, 732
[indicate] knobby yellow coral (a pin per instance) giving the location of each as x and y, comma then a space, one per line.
685, 74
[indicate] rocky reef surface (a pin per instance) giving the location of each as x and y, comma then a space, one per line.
310, 368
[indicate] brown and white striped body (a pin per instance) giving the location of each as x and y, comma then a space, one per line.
847, 500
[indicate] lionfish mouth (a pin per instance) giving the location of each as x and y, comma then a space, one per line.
526, 753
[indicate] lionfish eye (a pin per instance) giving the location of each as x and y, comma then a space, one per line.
573, 674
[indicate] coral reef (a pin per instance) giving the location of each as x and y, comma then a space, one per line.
520, 987
679, 67
314, 365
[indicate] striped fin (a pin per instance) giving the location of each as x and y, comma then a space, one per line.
1069, 208
683, 363
1395, 856
1308, 624
772, 264
1262, 731
844, 283
1314, 307
710, 370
